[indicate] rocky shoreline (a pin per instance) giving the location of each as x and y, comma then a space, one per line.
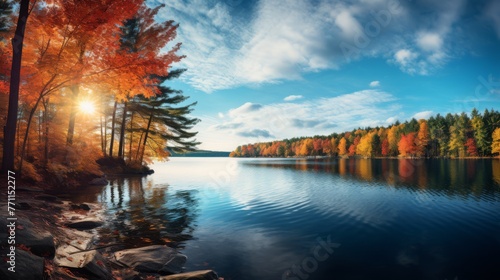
56, 239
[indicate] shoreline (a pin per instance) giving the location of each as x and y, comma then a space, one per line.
55, 238
375, 157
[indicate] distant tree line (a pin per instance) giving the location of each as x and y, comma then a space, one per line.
453, 135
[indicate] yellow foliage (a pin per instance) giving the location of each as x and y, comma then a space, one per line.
495, 144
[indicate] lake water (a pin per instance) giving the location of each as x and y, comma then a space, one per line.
314, 218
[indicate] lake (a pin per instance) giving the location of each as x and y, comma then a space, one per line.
314, 218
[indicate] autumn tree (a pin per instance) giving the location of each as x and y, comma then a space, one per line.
422, 138
392, 139
365, 145
141, 44
406, 145
15, 80
385, 147
342, 147
470, 144
495, 144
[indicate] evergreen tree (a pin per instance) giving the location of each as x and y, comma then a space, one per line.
479, 132
163, 110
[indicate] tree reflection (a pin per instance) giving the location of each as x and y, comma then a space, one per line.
152, 215
453, 177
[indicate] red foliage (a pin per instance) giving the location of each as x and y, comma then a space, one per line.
385, 147
471, 147
407, 145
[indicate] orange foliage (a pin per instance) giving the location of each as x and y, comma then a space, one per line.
407, 146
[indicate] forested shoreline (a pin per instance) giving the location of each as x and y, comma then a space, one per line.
450, 136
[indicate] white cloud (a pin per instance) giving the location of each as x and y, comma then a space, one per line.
422, 115
278, 40
429, 41
243, 109
375, 84
405, 56
391, 120
249, 123
293, 97
348, 24
221, 115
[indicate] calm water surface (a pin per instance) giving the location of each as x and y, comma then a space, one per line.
271, 218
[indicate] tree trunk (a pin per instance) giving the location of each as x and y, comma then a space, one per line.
15, 78
113, 130
103, 142
131, 137
75, 90
46, 132
122, 131
139, 147
26, 134
146, 137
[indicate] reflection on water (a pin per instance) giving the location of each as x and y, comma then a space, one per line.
257, 218
451, 176
141, 213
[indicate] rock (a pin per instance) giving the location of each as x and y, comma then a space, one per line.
98, 181
91, 262
85, 207
28, 266
195, 275
40, 242
82, 206
75, 253
155, 258
88, 223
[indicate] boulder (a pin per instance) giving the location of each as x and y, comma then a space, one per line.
195, 275
28, 267
40, 242
155, 258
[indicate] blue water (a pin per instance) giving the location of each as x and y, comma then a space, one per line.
315, 219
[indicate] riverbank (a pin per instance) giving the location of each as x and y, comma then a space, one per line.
49, 237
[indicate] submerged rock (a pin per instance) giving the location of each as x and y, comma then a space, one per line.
195, 275
27, 267
88, 223
156, 258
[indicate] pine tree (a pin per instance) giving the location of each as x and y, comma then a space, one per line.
162, 111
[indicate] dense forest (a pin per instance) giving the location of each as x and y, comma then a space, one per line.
453, 135
93, 83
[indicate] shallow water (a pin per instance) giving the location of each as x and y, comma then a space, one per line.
271, 218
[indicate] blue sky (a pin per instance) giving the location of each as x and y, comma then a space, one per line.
273, 69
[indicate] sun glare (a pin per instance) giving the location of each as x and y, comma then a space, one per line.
87, 107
